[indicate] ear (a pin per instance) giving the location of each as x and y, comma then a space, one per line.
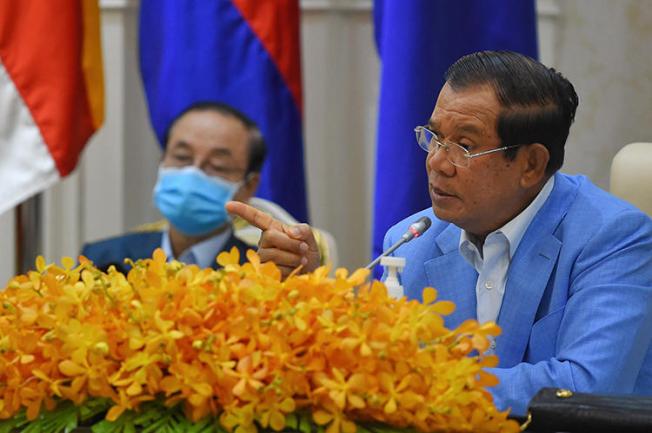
248, 188
535, 159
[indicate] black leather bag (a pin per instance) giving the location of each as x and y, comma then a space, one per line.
558, 410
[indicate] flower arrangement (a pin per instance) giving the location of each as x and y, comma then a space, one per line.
171, 347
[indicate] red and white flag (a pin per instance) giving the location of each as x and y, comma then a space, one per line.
51, 91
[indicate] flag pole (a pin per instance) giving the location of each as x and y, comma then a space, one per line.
29, 239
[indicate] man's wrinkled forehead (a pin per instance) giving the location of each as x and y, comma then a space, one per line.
472, 108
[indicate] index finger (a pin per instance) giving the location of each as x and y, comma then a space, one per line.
253, 216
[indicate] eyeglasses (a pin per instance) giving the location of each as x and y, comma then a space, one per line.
455, 153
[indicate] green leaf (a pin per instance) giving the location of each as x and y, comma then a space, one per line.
218, 427
93, 408
305, 423
202, 426
63, 419
152, 417
13, 424
124, 424
292, 421
129, 428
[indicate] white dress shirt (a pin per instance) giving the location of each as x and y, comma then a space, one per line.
202, 254
491, 259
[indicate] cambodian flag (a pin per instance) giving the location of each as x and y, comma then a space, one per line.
241, 52
51, 92
417, 41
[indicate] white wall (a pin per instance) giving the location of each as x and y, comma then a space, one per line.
7, 243
601, 45
605, 48
340, 72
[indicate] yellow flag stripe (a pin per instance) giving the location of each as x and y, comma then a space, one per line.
92, 60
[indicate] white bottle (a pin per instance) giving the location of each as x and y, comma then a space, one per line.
393, 266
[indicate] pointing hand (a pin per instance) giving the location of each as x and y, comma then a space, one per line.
288, 246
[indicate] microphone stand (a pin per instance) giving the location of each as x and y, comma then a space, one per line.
387, 252
415, 230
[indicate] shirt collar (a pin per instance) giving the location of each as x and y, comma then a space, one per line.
202, 254
514, 229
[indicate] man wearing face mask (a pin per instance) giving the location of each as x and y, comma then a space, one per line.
213, 154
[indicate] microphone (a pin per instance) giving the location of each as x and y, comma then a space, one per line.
415, 230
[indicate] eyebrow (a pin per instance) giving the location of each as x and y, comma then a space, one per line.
184, 145
465, 127
180, 144
470, 129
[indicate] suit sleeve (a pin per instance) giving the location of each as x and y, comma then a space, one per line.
97, 253
605, 330
89, 251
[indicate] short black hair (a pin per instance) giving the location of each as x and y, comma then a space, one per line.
538, 103
257, 147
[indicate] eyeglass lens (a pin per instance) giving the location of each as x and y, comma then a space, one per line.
455, 154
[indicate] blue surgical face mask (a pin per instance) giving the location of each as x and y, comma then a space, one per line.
192, 201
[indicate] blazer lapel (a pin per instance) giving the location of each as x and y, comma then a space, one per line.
527, 279
529, 273
453, 277
143, 245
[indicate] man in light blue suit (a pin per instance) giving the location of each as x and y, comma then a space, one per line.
576, 311
563, 267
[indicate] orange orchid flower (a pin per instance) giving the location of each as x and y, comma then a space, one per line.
242, 345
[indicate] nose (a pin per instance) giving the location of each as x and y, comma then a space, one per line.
199, 164
202, 165
438, 162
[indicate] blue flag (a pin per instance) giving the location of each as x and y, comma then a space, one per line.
417, 41
243, 53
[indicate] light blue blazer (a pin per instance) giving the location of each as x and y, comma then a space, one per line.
577, 310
